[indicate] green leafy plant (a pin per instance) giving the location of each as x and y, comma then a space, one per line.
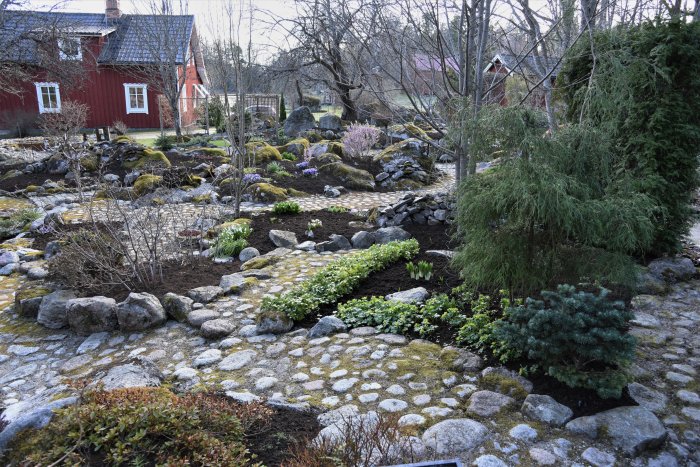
577, 337
338, 279
313, 225
288, 156
286, 207
232, 240
143, 426
421, 271
337, 209
385, 315
18, 221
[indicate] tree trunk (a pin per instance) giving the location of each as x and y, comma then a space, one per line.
349, 110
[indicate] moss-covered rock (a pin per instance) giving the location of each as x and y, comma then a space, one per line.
28, 298
146, 184
406, 184
90, 163
406, 130
409, 148
233, 223
351, 177
122, 194
31, 188
213, 152
266, 192
263, 152
123, 139
297, 193
148, 157
260, 262
297, 147
328, 158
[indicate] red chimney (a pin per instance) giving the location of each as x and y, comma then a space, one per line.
112, 9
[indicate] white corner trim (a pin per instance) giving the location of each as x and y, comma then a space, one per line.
129, 109
40, 100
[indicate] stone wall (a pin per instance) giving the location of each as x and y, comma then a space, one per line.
431, 209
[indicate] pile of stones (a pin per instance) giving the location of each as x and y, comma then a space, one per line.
431, 209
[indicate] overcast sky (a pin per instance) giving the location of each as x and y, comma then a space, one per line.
209, 15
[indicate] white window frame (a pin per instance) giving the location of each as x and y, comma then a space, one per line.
183, 96
127, 98
39, 98
62, 47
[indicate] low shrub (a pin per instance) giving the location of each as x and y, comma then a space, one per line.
337, 209
288, 156
232, 240
143, 426
338, 279
286, 207
385, 315
421, 271
578, 338
274, 167
164, 142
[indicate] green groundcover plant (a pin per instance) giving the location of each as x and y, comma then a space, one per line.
338, 279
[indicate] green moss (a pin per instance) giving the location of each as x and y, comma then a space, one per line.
297, 193
406, 184
113, 193
407, 146
31, 290
410, 129
267, 192
217, 152
328, 158
263, 152
297, 147
259, 262
233, 223
31, 188
351, 177
123, 139
90, 163
313, 136
504, 385
146, 184
205, 198
148, 157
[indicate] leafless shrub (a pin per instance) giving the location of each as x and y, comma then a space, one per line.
120, 127
363, 441
63, 129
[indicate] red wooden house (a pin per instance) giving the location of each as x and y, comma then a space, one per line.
505, 66
119, 59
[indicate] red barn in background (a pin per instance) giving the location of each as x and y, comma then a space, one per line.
117, 68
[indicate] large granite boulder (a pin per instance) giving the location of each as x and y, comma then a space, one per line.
140, 311
52, 311
298, 121
92, 314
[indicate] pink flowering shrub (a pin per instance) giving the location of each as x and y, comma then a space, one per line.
359, 139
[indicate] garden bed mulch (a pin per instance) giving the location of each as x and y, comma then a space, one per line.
20, 182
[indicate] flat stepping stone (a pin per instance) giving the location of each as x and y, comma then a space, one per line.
393, 405
237, 360
198, 317
488, 403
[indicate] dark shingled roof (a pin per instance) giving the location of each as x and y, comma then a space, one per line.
131, 39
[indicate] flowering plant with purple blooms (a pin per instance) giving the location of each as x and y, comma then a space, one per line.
302, 165
251, 178
310, 172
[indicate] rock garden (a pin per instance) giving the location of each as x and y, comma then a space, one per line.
316, 300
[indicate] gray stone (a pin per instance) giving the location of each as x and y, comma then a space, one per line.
237, 360
248, 330
336, 243
692, 413
206, 293
37, 273
242, 397
177, 306
688, 396
647, 397
185, 374
393, 405
283, 238
489, 460
390, 234
415, 295
52, 311
207, 358
37, 418
598, 458
306, 246
299, 120
412, 419
326, 326
455, 436
488, 403
362, 239
545, 409
198, 317
92, 314
344, 385
8, 257
233, 283
248, 253
217, 328
140, 311
542, 456
523, 432
631, 429
330, 121
137, 373
338, 415
672, 269
274, 323
331, 191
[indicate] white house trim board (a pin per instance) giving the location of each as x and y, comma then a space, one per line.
63, 46
143, 88
56, 107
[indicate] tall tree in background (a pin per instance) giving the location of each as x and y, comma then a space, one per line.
322, 38
162, 31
